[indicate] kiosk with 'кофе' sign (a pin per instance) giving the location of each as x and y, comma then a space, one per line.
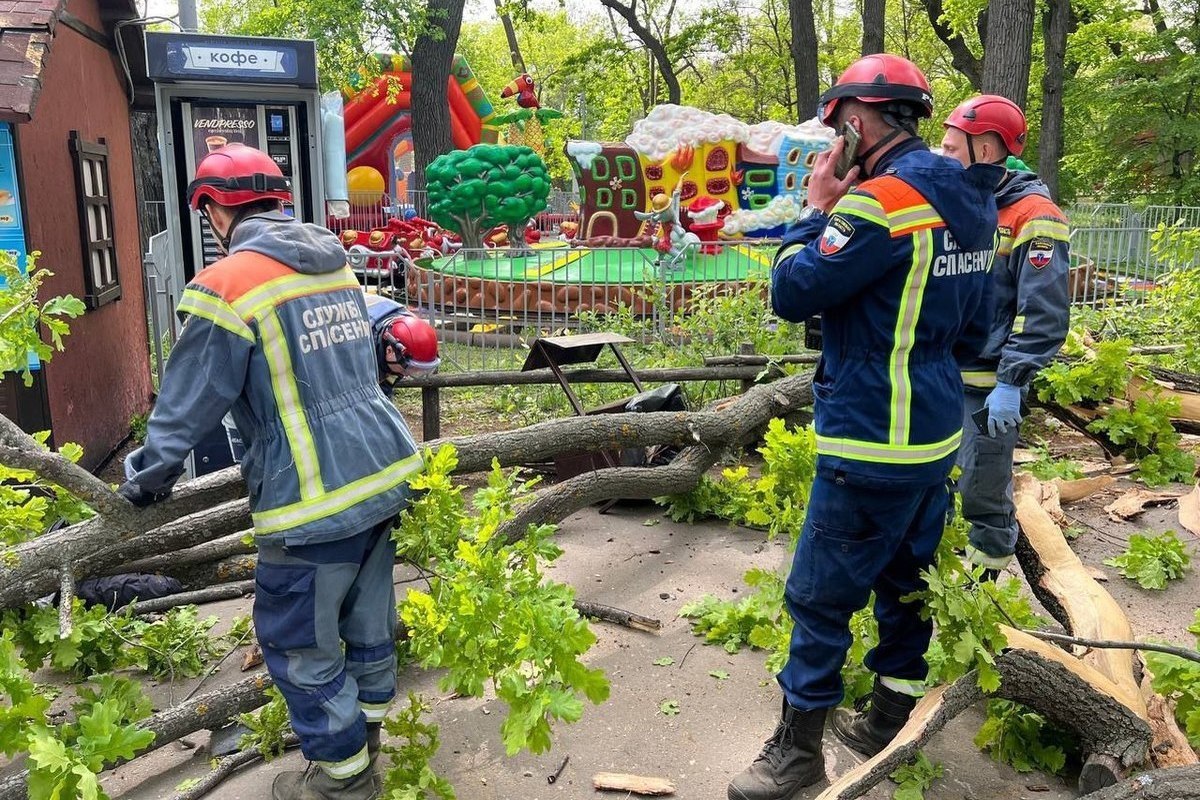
210, 92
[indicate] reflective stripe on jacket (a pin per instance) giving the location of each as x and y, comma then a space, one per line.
327, 454
1030, 296
899, 273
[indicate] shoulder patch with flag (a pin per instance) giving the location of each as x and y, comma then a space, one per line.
837, 233
1041, 251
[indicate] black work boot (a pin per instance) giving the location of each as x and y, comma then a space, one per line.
870, 732
316, 784
791, 759
373, 733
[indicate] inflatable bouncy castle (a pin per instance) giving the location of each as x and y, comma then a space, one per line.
378, 122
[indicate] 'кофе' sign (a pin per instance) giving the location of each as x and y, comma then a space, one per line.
183, 56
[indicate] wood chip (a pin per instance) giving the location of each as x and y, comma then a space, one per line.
1097, 574
638, 784
1074, 491
252, 659
1189, 511
1023, 456
1135, 501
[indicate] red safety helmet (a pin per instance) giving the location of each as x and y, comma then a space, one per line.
882, 78
991, 113
410, 345
236, 175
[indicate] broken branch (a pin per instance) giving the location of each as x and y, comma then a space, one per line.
1062, 638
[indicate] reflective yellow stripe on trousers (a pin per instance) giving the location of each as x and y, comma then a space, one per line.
905, 335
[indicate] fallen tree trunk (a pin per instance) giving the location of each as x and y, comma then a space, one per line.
32, 569
211, 594
1177, 783
627, 483
215, 550
740, 420
1068, 692
202, 712
1071, 595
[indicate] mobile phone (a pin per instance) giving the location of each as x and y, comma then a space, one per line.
849, 152
980, 419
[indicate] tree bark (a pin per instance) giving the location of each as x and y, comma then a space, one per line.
210, 594
626, 483
432, 55
804, 58
95, 548
1177, 783
745, 417
873, 16
510, 33
1056, 25
1052, 682
963, 60
1008, 51
653, 45
215, 550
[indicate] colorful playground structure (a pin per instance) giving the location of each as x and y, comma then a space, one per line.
683, 203
759, 173
378, 123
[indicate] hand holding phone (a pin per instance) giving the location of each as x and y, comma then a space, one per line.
850, 142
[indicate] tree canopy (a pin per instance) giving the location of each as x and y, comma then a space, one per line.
1112, 83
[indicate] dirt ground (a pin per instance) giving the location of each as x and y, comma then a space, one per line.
635, 559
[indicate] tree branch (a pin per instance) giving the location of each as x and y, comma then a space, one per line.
1062, 638
21, 451
652, 43
963, 59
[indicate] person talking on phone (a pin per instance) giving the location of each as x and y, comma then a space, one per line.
898, 269
1030, 317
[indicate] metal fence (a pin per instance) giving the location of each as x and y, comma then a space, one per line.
1114, 253
493, 304
488, 306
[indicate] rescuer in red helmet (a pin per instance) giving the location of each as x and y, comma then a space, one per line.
1031, 314
278, 334
897, 268
406, 345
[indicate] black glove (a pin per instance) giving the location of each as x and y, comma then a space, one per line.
139, 496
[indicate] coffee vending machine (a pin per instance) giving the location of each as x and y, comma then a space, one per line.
212, 91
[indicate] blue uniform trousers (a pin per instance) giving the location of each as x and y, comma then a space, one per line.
325, 616
856, 540
986, 483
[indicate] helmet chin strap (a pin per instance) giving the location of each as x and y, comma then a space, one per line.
971, 151
223, 241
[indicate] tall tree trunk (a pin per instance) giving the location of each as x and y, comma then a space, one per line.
432, 55
510, 33
1008, 51
1056, 25
653, 44
966, 62
873, 12
804, 56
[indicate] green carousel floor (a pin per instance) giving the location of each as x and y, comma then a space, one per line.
613, 266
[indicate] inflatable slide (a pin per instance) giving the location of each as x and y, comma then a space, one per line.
374, 123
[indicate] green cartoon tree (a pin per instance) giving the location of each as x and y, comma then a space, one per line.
472, 191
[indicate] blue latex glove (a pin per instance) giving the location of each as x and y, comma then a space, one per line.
1004, 409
